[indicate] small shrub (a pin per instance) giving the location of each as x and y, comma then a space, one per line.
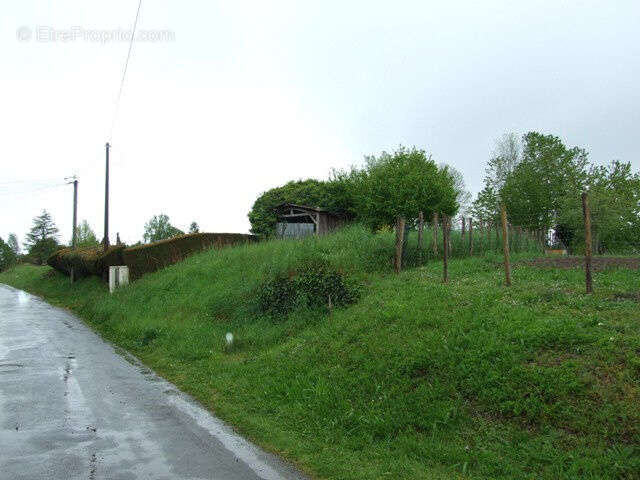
313, 285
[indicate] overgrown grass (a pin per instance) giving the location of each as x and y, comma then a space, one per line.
416, 380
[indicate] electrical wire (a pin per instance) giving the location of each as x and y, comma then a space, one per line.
31, 191
124, 72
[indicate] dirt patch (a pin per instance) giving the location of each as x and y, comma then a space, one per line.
597, 263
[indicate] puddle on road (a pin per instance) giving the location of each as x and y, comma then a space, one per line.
23, 297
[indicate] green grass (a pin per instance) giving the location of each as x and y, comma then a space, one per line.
416, 380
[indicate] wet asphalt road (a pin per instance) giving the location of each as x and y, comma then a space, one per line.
71, 407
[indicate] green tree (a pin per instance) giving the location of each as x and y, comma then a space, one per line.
43, 229
396, 187
86, 236
535, 190
7, 256
486, 206
194, 228
159, 228
614, 196
42, 239
12, 241
506, 157
43, 249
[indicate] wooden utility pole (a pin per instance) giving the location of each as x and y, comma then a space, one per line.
445, 249
397, 258
505, 246
74, 233
106, 200
434, 240
470, 236
587, 242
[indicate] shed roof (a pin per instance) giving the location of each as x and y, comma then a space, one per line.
303, 207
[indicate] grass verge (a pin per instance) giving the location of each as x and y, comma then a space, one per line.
416, 380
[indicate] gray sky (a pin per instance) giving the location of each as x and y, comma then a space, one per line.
249, 95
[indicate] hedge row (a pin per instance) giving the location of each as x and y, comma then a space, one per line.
143, 258
86, 261
154, 256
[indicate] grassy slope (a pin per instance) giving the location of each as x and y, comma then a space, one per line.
417, 380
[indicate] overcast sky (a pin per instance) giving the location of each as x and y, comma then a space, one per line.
248, 95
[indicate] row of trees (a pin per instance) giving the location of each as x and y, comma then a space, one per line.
540, 180
390, 190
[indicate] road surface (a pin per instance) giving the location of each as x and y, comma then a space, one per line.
71, 407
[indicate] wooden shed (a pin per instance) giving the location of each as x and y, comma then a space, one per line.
297, 221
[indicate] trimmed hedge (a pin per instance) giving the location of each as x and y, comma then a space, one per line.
141, 259
86, 261
154, 256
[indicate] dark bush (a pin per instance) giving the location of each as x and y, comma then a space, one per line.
313, 285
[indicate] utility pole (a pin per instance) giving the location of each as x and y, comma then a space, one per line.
106, 200
74, 238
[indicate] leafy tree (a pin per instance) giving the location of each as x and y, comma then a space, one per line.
13, 243
614, 196
86, 236
43, 249
194, 228
8, 256
159, 228
43, 229
463, 196
535, 190
397, 187
505, 159
486, 206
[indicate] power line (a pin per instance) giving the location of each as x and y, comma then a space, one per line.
124, 72
34, 182
25, 192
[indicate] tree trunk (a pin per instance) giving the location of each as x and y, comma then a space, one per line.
397, 259
470, 236
434, 241
464, 228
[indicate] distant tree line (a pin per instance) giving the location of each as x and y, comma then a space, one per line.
540, 181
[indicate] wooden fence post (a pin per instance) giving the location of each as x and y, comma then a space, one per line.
445, 249
397, 259
470, 236
505, 246
434, 241
420, 236
587, 242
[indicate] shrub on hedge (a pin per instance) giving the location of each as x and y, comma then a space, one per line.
154, 256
